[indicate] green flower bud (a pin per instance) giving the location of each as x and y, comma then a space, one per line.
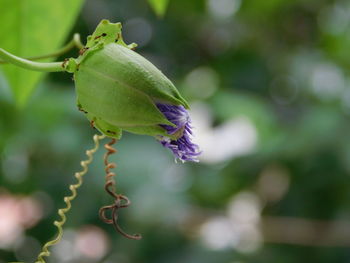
118, 89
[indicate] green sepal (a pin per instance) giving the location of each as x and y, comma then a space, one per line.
154, 130
71, 65
116, 132
126, 66
114, 101
104, 127
104, 34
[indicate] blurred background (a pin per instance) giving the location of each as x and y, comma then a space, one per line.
268, 86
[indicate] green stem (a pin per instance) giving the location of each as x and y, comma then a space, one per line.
75, 42
40, 66
27, 64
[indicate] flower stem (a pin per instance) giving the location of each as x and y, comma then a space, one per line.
75, 42
41, 66
27, 64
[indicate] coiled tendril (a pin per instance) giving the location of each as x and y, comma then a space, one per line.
120, 201
73, 187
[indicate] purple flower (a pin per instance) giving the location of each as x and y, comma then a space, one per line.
182, 147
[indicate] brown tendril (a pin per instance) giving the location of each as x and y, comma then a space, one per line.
120, 201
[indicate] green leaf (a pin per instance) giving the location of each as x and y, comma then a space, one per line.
33, 28
159, 6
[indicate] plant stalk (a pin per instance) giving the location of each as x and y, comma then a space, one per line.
75, 42
31, 65
41, 66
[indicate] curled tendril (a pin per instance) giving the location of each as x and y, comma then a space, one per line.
62, 212
120, 201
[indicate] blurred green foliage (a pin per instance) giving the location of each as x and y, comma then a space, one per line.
33, 28
159, 6
268, 83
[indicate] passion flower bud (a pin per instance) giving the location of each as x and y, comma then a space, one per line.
120, 90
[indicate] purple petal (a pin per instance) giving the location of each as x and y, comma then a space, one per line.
182, 148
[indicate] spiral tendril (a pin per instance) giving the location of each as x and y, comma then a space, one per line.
120, 201
73, 188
